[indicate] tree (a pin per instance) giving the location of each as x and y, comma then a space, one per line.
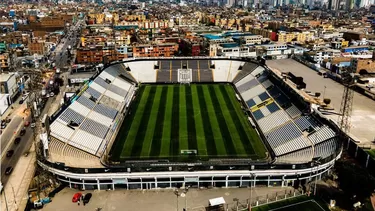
355, 180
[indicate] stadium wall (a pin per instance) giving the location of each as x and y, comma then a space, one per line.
103, 179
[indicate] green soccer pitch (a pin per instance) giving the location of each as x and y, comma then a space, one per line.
166, 121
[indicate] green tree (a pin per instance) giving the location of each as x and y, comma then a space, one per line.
355, 180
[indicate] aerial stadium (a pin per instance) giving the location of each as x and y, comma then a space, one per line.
171, 122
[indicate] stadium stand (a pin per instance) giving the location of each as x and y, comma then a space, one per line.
93, 93
259, 70
266, 84
280, 120
273, 120
87, 121
247, 68
293, 111
164, 72
300, 156
321, 135
326, 148
306, 122
251, 93
70, 115
226, 71
193, 64
176, 64
247, 85
94, 128
71, 156
106, 111
143, 71
205, 71
286, 138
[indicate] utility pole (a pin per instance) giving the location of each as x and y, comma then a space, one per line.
34, 87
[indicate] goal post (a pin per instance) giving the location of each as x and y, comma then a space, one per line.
188, 152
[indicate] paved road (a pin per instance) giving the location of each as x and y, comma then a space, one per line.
62, 59
19, 150
363, 116
8, 132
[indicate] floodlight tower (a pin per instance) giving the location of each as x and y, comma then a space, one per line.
346, 102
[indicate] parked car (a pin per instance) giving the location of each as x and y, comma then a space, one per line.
17, 140
87, 198
76, 197
3, 124
26, 124
10, 153
8, 170
21, 101
32, 125
23, 131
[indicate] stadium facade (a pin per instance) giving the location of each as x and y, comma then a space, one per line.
301, 144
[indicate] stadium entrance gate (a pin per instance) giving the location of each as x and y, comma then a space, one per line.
185, 76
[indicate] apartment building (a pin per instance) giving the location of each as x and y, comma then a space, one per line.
319, 56
363, 66
155, 50
37, 47
300, 37
266, 33
253, 39
4, 61
233, 49
100, 54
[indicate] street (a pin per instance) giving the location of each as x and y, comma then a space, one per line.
8, 133
62, 60
17, 183
19, 150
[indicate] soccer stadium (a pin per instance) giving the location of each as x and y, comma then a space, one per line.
166, 122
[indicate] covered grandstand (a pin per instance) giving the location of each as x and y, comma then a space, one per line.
89, 121
293, 133
293, 137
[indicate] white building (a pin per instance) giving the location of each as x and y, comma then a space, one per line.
319, 56
233, 49
253, 39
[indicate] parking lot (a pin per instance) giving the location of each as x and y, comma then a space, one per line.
161, 199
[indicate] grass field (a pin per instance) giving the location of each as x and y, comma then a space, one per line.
165, 119
371, 152
302, 203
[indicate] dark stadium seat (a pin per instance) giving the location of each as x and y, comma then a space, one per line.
258, 114
273, 107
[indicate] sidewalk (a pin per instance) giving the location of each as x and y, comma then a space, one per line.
160, 199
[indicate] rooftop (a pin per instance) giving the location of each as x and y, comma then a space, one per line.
5, 76
229, 45
212, 37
